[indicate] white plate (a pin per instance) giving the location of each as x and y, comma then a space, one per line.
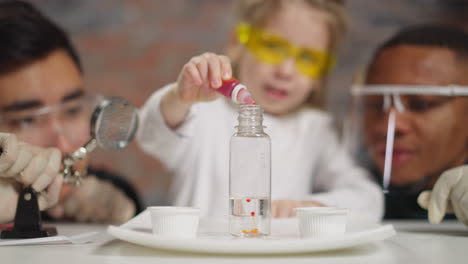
284, 240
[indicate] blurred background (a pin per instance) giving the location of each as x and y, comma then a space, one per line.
130, 48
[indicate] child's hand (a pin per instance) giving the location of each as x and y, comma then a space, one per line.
285, 208
194, 84
200, 75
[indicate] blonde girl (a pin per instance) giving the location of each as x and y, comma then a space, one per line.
282, 51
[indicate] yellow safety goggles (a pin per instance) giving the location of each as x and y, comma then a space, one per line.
273, 49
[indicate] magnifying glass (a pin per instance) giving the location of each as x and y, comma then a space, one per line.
114, 123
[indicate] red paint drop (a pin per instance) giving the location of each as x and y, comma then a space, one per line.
252, 213
247, 200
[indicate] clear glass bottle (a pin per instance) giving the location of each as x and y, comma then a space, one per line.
250, 176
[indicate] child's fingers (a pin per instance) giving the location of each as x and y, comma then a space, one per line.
202, 67
192, 72
226, 68
214, 69
274, 209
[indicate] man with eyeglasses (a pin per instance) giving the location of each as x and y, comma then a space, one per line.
43, 103
414, 103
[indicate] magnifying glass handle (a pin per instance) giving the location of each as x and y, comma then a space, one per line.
91, 145
72, 176
81, 153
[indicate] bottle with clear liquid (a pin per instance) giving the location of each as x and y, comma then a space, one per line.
250, 176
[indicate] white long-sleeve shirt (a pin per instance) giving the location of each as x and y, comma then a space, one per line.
308, 162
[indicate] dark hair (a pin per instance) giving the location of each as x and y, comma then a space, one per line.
430, 35
26, 35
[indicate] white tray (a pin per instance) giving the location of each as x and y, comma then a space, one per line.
213, 238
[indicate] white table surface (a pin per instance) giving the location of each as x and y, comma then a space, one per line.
415, 242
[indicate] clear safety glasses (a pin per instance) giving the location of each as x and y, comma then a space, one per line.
373, 104
412, 98
273, 49
71, 119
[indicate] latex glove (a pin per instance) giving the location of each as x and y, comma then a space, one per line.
22, 164
285, 208
449, 195
95, 200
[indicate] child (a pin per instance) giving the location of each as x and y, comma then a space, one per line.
283, 56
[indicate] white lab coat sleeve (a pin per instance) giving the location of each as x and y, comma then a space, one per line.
339, 182
157, 139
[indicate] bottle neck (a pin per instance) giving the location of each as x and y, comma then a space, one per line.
250, 119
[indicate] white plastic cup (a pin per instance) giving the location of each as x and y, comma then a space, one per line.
321, 221
174, 222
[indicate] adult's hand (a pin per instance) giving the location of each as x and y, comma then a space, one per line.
22, 165
449, 195
94, 200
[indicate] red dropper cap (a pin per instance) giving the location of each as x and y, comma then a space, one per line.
238, 93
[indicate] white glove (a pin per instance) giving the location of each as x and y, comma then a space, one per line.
449, 195
95, 200
22, 164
